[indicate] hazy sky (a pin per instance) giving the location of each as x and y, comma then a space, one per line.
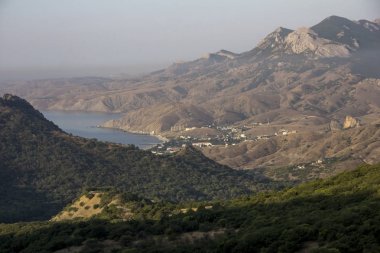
45, 38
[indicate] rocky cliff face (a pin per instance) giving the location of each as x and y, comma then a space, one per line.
275, 40
305, 40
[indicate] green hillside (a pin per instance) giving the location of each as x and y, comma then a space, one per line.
42, 168
340, 214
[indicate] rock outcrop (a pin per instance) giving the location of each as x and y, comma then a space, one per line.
275, 39
305, 40
350, 122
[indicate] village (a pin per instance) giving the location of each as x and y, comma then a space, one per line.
212, 135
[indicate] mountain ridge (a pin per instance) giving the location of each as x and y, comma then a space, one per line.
184, 69
332, 75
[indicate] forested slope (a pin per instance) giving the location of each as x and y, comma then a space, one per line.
340, 214
42, 168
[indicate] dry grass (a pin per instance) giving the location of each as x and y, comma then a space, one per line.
81, 208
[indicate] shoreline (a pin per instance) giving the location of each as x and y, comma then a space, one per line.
159, 137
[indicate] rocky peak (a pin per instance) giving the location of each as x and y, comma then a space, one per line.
28, 115
334, 20
12, 101
333, 24
305, 40
274, 39
10, 97
355, 34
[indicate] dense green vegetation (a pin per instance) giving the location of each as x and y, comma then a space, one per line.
42, 168
340, 214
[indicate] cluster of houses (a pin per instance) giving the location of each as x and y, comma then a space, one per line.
228, 135
281, 132
285, 132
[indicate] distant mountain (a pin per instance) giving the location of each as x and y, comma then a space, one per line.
312, 71
360, 35
42, 168
325, 72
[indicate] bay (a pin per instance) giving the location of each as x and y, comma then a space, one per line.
84, 124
